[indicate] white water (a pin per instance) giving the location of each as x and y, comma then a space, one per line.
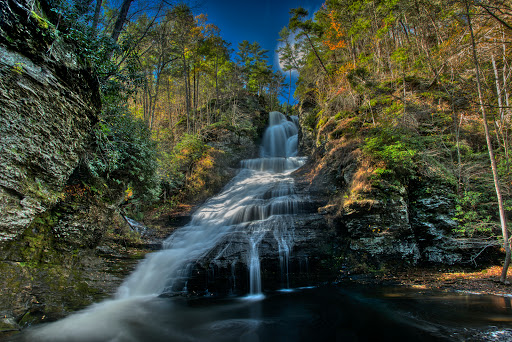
256, 204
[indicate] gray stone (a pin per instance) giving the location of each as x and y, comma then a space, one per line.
390, 221
48, 103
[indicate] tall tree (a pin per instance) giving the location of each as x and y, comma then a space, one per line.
503, 218
305, 28
121, 19
96, 17
289, 56
256, 72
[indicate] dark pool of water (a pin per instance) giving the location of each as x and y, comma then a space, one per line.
309, 314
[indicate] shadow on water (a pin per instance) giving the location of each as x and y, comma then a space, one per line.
314, 314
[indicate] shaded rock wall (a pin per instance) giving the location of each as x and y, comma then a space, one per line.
48, 103
380, 221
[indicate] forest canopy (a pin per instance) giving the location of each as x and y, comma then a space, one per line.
423, 87
167, 78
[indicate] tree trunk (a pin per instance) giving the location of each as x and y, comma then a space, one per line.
96, 17
153, 102
216, 82
501, 128
290, 87
198, 77
316, 54
187, 92
504, 231
194, 90
146, 101
121, 18
506, 121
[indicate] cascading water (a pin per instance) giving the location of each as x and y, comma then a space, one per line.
252, 219
257, 202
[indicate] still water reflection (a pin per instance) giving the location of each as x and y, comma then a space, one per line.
309, 314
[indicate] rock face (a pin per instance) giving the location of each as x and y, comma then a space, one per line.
48, 103
404, 222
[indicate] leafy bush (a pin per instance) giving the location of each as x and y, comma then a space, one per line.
472, 213
177, 167
310, 121
396, 151
125, 155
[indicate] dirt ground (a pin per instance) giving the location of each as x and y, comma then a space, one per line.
484, 281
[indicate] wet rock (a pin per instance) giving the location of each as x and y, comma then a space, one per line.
8, 324
293, 252
226, 268
83, 228
492, 335
386, 246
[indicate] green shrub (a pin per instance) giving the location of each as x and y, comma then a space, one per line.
310, 121
125, 155
472, 213
177, 167
396, 151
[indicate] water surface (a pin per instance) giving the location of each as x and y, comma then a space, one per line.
342, 313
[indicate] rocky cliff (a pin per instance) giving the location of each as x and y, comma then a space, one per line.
378, 220
48, 104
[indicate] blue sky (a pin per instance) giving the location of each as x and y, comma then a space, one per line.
259, 20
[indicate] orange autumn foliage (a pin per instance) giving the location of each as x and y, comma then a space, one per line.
335, 34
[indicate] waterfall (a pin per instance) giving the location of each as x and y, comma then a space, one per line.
254, 269
256, 204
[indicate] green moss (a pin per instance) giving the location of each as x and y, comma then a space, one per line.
343, 115
37, 245
435, 95
394, 108
12, 276
18, 68
29, 318
4, 326
39, 190
71, 288
42, 23
320, 123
